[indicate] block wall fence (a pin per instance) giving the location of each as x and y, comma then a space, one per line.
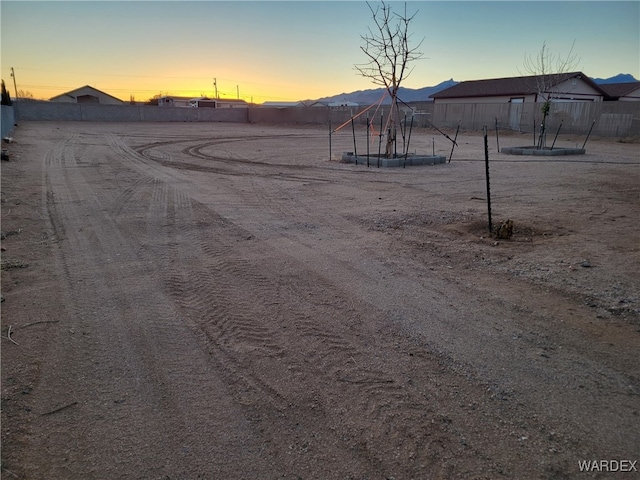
8, 120
612, 119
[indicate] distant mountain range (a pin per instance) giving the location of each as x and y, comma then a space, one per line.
620, 78
369, 97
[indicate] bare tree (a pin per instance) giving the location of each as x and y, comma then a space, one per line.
389, 54
6, 98
547, 70
154, 100
24, 95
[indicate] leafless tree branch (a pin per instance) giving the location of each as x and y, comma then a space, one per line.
547, 69
389, 52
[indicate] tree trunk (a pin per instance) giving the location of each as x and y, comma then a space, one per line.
391, 132
542, 141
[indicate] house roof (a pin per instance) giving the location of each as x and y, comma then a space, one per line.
282, 104
228, 100
333, 103
175, 97
77, 91
511, 86
617, 90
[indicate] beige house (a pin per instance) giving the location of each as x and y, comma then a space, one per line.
623, 92
87, 94
566, 87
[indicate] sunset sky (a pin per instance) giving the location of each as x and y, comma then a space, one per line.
292, 50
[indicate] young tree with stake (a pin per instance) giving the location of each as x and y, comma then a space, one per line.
547, 70
389, 54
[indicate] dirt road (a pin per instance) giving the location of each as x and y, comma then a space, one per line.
224, 301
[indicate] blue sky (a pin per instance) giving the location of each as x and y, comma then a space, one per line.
293, 50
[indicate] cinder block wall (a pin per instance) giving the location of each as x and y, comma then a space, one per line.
618, 119
61, 112
8, 119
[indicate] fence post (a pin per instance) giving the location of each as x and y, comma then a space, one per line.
486, 164
355, 148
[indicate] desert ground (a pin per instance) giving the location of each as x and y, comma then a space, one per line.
229, 301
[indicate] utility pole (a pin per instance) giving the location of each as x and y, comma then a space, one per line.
14, 83
215, 87
238, 90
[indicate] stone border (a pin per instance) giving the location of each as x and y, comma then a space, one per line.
411, 160
543, 152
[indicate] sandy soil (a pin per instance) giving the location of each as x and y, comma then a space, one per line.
221, 301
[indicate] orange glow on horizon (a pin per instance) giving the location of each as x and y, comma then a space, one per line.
43, 89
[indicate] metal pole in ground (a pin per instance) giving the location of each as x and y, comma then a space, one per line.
454, 142
404, 131
497, 139
368, 128
380, 137
556, 137
355, 148
486, 163
585, 140
395, 140
408, 141
330, 133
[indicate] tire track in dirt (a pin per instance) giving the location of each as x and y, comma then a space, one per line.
387, 416
208, 288
322, 351
211, 289
197, 289
68, 212
164, 158
129, 195
229, 276
376, 386
326, 354
322, 360
382, 399
125, 359
229, 304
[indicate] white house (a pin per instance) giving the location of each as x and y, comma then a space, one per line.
272, 104
230, 103
335, 104
201, 102
174, 101
87, 94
